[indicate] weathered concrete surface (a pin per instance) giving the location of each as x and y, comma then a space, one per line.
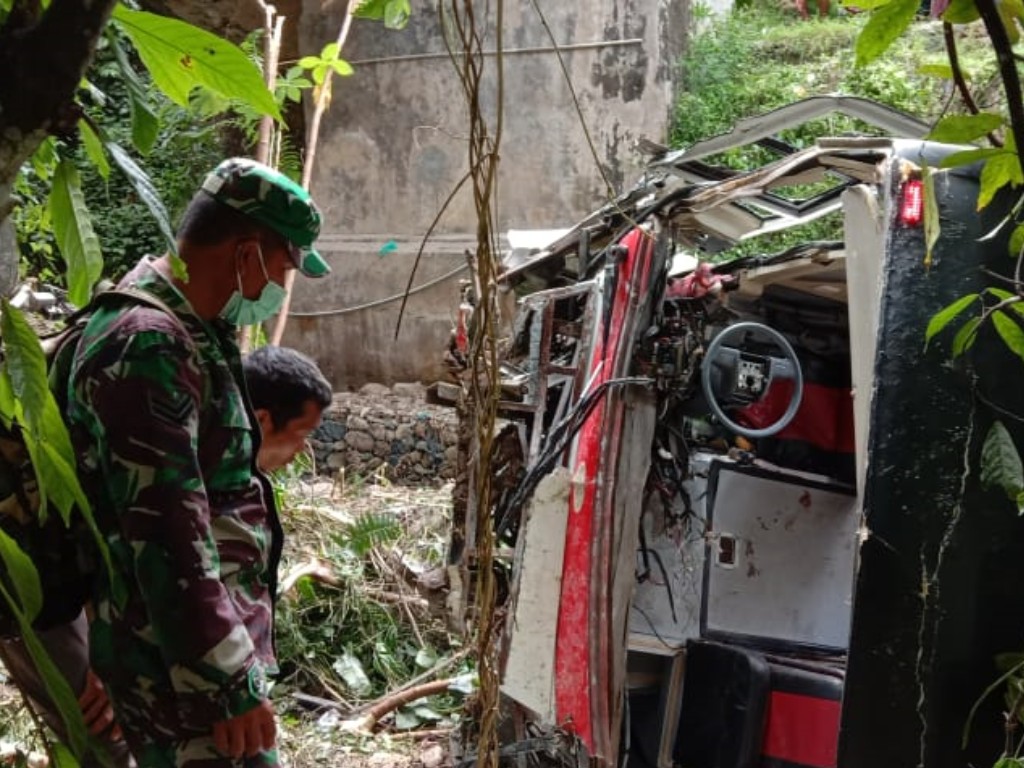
393, 147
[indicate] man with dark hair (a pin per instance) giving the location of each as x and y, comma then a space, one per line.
289, 394
181, 635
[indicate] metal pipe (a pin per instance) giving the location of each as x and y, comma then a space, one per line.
506, 52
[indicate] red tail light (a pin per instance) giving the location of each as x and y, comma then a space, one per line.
912, 203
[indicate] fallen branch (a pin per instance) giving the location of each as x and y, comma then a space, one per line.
314, 569
426, 733
368, 721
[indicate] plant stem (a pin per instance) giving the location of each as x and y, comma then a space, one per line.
322, 101
1007, 68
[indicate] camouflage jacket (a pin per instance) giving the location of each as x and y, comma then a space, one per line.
161, 419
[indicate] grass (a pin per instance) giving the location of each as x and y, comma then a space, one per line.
762, 56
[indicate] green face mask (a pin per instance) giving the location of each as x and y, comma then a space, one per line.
242, 311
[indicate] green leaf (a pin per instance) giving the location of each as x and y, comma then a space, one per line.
342, 67
1000, 462
423, 712
397, 14
961, 12
143, 186
180, 57
943, 317
886, 24
46, 436
350, 669
23, 575
72, 227
426, 658
145, 123
309, 62
1009, 12
966, 336
1017, 242
54, 681
1010, 332
330, 52
969, 156
961, 129
999, 171
944, 71
94, 148
319, 74
406, 720
932, 224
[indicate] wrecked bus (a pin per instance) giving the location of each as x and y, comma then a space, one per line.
738, 503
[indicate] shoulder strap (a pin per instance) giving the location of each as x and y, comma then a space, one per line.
139, 297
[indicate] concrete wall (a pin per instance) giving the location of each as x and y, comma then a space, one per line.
392, 148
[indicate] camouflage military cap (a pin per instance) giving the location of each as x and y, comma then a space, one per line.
273, 199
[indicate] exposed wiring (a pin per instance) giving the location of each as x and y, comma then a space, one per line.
381, 302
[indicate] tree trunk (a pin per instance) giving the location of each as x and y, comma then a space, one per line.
43, 58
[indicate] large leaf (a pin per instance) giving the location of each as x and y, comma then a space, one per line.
145, 123
947, 314
45, 434
999, 171
350, 669
143, 186
1016, 246
961, 12
932, 224
94, 148
24, 364
966, 336
28, 589
1010, 332
180, 57
1000, 463
54, 681
1011, 12
72, 227
885, 25
961, 129
1014, 301
969, 156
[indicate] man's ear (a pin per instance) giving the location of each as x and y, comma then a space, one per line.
266, 423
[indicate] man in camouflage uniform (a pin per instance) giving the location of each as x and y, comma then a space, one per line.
182, 635
289, 394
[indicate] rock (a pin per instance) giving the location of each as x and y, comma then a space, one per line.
374, 390
361, 441
330, 431
410, 391
432, 756
358, 423
378, 432
403, 432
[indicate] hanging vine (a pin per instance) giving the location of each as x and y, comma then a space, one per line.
464, 38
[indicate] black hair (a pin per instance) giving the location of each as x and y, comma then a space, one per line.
282, 380
208, 222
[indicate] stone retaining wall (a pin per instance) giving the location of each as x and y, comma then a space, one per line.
393, 426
